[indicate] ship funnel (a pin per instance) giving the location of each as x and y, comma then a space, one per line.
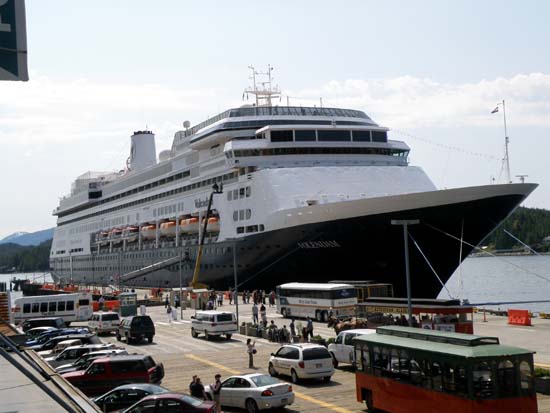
143, 153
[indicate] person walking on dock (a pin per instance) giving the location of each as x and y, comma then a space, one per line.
169, 313
216, 387
251, 350
309, 328
263, 315
254, 314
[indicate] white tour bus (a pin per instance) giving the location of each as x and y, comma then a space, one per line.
70, 307
316, 300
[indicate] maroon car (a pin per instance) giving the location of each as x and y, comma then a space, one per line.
173, 403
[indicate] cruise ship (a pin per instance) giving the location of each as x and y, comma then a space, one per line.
284, 193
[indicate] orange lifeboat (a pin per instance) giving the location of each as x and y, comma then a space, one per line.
168, 229
213, 224
148, 231
190, 225
116, 235
130, 234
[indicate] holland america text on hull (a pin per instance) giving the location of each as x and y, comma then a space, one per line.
308, 195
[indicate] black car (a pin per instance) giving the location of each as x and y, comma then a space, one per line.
56, 322
136, 328
126, 395
51, 343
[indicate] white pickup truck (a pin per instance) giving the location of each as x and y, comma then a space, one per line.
213, 323
342, 350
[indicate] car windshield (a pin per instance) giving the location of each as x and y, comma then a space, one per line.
225, 317
191, 400
263, 380
110, 317
316, 354
141, 322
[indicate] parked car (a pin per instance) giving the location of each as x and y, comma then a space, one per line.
213, 323
136, 328
85, 338
56, 322
45, 336
37, 331
107, 373
342, 350
253, 392
59, 348
126, 395
302, 361
73, 353
104, 322
84, 361
173, 403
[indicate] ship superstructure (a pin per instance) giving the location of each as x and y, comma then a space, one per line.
308, 195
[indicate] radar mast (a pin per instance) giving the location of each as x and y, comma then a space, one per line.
264, 92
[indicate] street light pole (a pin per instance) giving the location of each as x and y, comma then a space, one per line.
235, 280
406, 223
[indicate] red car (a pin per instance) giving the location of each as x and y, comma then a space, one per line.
171, 403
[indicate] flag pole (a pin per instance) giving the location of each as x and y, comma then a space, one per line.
506, 142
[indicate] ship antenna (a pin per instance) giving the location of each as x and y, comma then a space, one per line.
267, 92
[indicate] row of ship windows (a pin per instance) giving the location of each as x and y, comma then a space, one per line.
239, 193
251, 228
242, 214
168, 209
328, 135
207, 182
94, 226
318, 151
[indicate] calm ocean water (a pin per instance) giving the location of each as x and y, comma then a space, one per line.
484, 280
498, 279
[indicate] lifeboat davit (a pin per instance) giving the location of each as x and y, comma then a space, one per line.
130, 234
190, 225
168, 229
148, 232
103, 238
213, 224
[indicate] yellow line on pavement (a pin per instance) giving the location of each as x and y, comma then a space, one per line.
297, 394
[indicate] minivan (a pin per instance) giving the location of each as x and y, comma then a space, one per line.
104, 322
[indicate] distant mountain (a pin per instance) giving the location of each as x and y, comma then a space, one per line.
28, 238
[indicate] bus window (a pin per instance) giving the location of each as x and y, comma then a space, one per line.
526, 377
43, 307
52, 306
506, 378
70, 305
83, 302
27, 308
61, 306
35, 307
483, 383
363, 359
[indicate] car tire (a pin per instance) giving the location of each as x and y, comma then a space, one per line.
334, 361
150, 339
251, 406
369, 402
326, 379
194, 333
228, 336
272, 371
294, 376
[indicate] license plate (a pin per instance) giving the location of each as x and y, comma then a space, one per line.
319, 365
284, 400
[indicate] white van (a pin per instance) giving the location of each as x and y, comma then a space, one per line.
104, 322
213, 323
342, 350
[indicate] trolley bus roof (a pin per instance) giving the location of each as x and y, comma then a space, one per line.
314, 286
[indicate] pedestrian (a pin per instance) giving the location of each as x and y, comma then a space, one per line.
292, 330
216, 387
169, 313
254, 314
309, 327
177, 301
263, 315
101, 301
166, 301
251, 350
192, 382
197, 389
230, 296
220, 299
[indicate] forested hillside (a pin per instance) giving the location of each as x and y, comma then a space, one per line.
530, 225
25, 259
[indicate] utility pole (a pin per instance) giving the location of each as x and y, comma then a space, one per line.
406, 223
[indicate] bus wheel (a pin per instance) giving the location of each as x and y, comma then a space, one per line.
319, 316
367, 395
283, 312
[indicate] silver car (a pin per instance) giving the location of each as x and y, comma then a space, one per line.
253, 392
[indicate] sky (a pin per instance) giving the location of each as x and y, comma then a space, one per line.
431, 71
